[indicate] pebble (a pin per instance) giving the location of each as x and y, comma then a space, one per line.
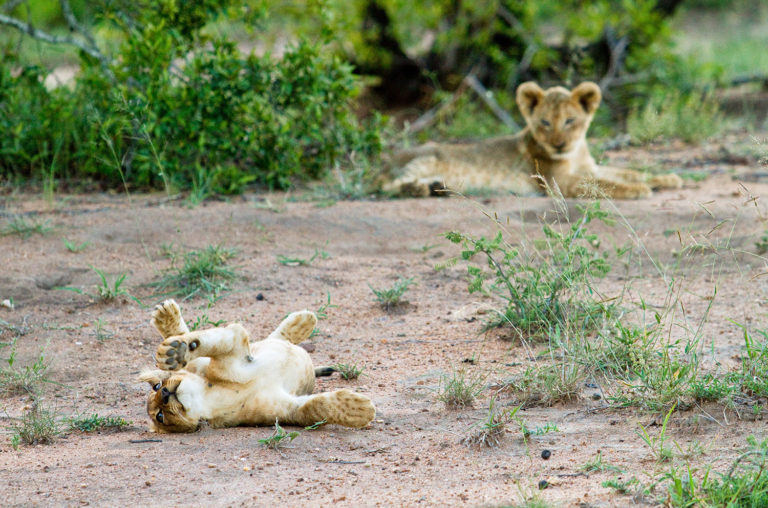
546, 454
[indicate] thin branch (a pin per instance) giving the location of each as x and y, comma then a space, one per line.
759, 78
617, 48
487, 97
33, 32
75, 26
11, 5
427, 118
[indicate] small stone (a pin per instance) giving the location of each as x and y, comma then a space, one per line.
259, 297
546, 454
543, 484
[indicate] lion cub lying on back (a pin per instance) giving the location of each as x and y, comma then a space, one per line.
218, 376
551, 150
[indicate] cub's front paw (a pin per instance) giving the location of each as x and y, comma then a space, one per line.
297, 327
167, 319
175, 352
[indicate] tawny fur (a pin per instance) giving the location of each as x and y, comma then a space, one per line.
551, 151
217, 375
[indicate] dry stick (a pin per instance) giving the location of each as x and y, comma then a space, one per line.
74, 25
427, 118
617, 53
11, 5
487, 97
52, 39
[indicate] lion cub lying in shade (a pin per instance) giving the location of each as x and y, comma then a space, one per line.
550, 152
219, 376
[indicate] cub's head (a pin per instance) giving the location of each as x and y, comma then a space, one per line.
166, 412
557, 118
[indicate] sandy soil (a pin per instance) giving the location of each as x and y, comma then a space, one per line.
412, 453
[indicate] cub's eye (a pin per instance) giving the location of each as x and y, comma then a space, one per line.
156, 387
159, 417
544, 123
568, 121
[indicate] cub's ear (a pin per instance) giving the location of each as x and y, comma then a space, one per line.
588, 96
154, 377
528, 96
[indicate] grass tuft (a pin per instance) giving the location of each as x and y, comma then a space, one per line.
348, 371
23, 227
36, 426
96, 422
197, 272
279, 438
392, 297
459, 390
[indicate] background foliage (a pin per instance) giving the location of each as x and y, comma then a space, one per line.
177, 107
171, 97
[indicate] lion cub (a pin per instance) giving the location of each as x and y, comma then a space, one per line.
550, 152
219, 376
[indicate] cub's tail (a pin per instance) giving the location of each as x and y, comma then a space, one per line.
324, 371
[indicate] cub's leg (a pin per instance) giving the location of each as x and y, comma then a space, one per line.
296, 328
223, 343
419, 178
577, 186
668, 181
342, 407
167, 319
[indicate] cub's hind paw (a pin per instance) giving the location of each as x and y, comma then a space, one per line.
354, 410
297, 327
668, 181
167, 319
174, 353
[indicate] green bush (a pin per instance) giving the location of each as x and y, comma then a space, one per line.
176, 108
544, 291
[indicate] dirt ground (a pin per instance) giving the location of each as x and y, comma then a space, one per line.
411, 455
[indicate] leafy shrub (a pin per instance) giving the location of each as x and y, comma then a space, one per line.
541, 293
175, 107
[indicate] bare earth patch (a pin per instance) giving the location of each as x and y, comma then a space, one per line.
412, 454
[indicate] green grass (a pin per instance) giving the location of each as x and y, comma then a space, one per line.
545, 287
547, 384
36, 426
203, 319
106, 290
26, 227
101, 332
622, 486
490, 432
279, 438
657, 444
25, 380
194, 273
73, 247
295, 261
459, 389
348, 370
598, 464
691, 119
95, 422
392, 297
744, 484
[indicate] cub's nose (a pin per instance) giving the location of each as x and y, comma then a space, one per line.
559, 146
165, 394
